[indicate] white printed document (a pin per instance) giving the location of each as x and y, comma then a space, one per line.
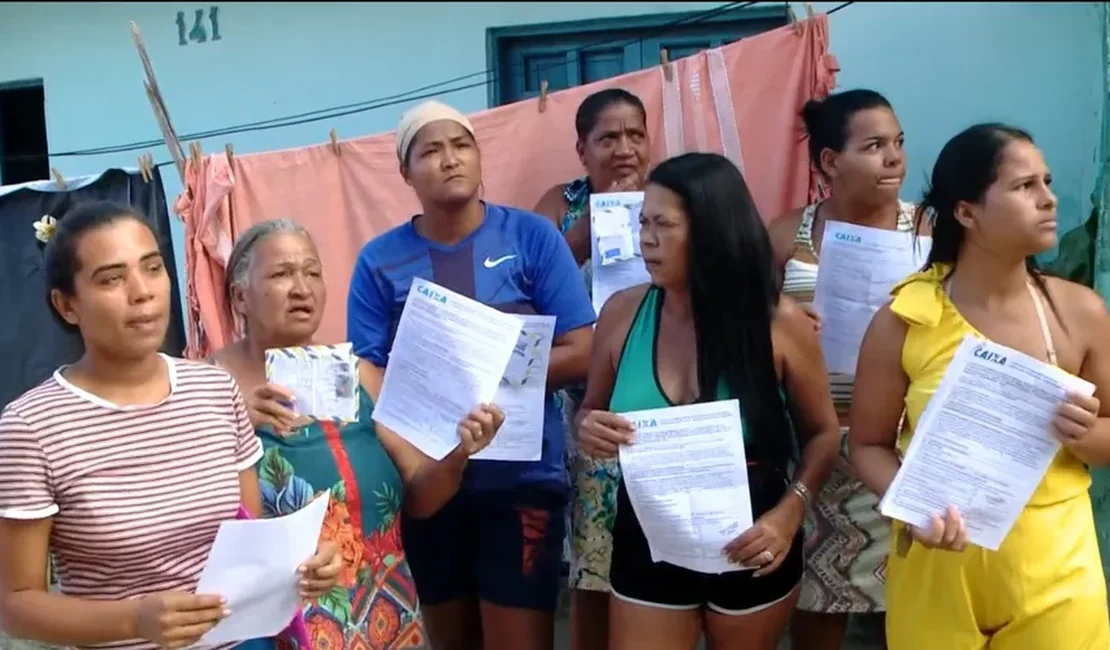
322, 378
448, 356
260, 588
687, 479
984, 442
859, 267
522, 394
616, 262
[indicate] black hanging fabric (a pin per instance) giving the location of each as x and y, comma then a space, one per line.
32, 343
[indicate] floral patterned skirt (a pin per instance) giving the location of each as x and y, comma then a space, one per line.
593, 508
593, 511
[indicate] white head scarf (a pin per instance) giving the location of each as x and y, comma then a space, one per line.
421, 116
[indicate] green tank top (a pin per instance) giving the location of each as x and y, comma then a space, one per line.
637, 385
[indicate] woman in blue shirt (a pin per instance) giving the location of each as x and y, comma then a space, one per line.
487, 565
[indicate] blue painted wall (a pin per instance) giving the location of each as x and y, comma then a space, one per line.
943, 65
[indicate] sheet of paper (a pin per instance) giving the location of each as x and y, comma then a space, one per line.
522, 394
322, 378
260, 588
448, 356
687, 478
859, 267
984, 441
616, 262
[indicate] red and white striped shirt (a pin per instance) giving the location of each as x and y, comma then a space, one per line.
136, 493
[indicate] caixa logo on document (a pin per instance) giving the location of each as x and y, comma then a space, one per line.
432, 293
983, 352
849, 237
644, 424
608, 203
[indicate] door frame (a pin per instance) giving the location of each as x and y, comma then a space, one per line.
612, 30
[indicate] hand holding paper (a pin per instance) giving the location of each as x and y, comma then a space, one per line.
616, 262
859, 267
319, 573
271, 405
947, 532
1075, 418
687, 479
478, 428
983, 443
323, 380
601, 433
262, 589
449, 355
178, 620
766, 545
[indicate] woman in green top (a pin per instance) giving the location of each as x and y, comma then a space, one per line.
276, 287
711, 326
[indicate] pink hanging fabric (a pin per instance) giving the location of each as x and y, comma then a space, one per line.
741, 100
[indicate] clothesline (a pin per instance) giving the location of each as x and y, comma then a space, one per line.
431, 90
744, 89
408, 96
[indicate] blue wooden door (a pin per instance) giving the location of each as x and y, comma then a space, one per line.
588, 52
564, 66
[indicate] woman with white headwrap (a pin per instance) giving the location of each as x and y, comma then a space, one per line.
487, 565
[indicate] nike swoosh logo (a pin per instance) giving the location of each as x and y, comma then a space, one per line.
489, 264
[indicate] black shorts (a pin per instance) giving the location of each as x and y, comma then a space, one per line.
635, 578
503, 548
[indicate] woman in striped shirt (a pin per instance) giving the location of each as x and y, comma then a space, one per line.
125, 463
855, 142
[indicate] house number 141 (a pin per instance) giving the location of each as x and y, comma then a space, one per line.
198, 33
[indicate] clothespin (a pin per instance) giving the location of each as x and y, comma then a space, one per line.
334, 137
794, 22
229, 151
665, 61
195, 153
58, 178
543, 96
799, 27
146, 167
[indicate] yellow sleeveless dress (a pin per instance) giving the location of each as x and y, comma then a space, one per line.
1043, 589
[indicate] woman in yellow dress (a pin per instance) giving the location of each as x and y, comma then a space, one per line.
1043, 588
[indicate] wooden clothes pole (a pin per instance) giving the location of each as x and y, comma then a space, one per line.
158, 105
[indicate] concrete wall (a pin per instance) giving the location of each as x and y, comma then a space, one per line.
943, 65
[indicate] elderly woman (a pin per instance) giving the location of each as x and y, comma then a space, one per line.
275, 281
487, 566
615, 151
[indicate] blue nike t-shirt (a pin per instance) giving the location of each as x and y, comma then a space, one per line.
516, 262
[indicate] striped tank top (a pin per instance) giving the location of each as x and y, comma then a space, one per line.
800, 279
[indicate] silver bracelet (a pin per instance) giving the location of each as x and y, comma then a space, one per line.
802, 491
